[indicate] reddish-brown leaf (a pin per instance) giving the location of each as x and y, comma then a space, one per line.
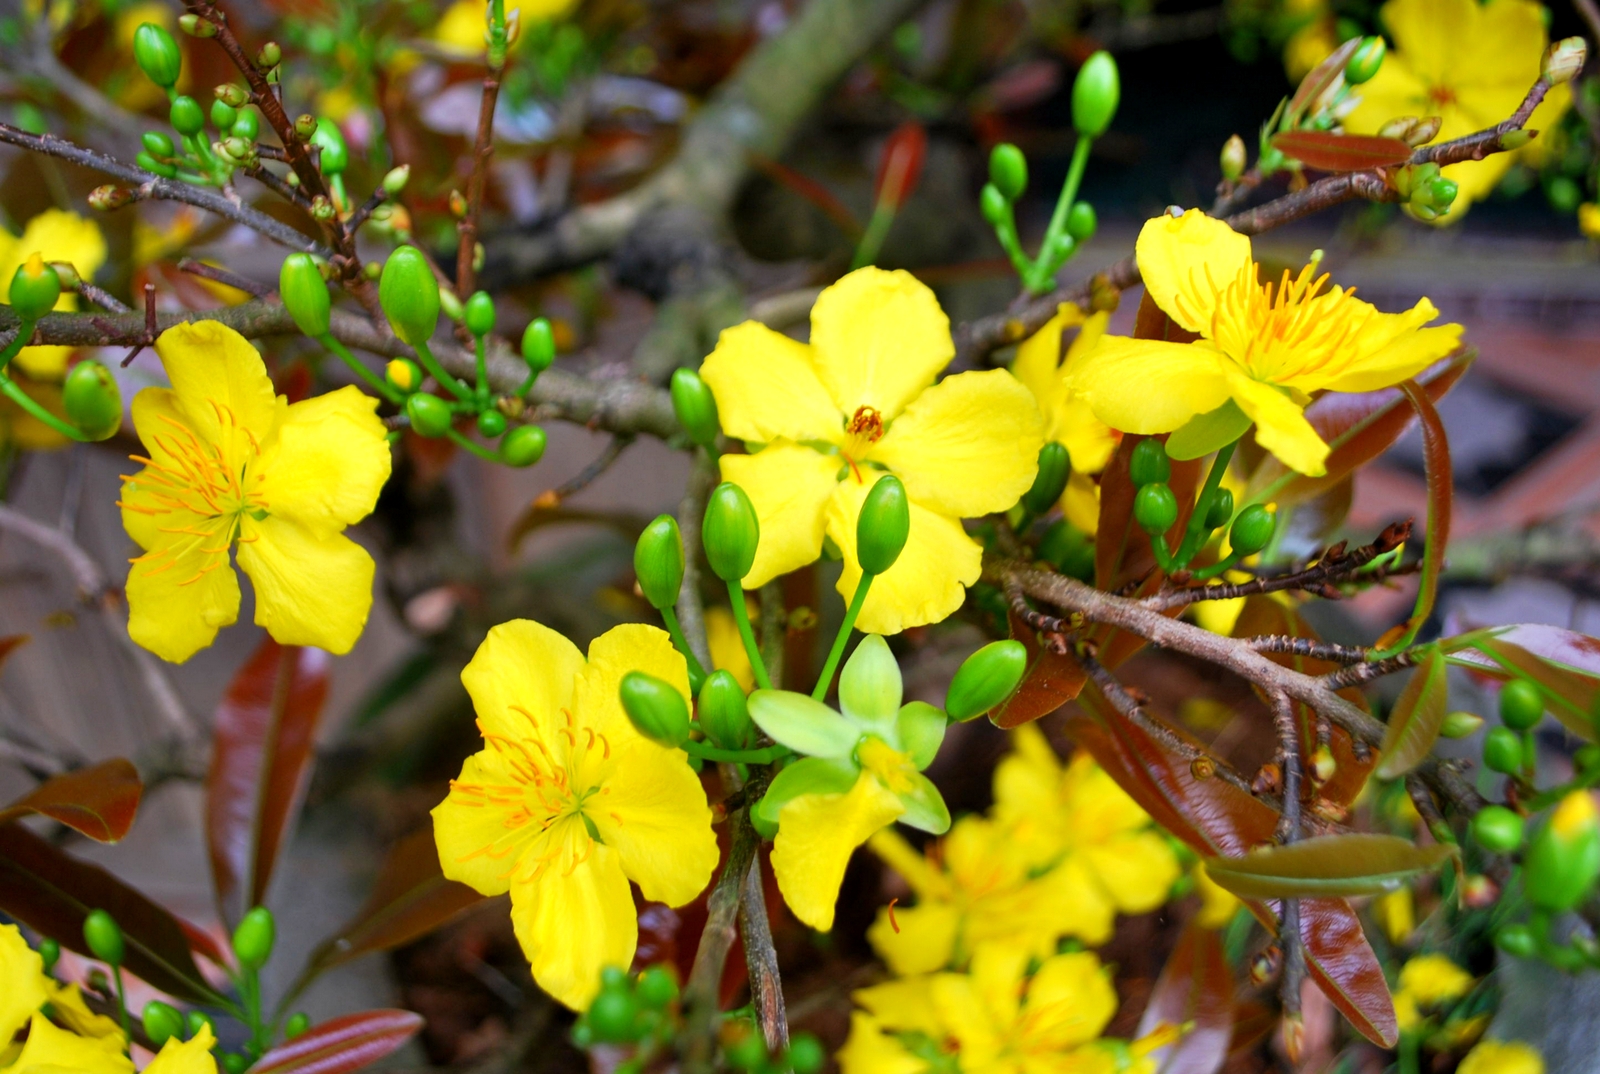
1052, 679
1564, 663
1441, 494
901, 166
1329, 152
10, 644
1194, 991
100, 801
261, 749
411, 897
52, 892
1341, 961
1415, 721
1319, 80
349, 1042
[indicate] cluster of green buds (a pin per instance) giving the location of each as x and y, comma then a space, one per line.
89, 395
745, 1049
1155, 509
1095, 95
1510, 749
195, 156
640, 1011
1325, 97
1425, 194
1559, 870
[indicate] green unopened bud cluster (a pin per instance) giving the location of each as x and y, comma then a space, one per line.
1155, 509
89, 394
1325, 109
639, 1010
745, 1049
1425, 194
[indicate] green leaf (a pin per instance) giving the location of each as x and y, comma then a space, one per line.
919, 730
1208, 432
925, 808
809, 775
869, 686
1414, 724
1327, 865
803, 724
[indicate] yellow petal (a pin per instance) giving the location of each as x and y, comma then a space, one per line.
44, 363
1138, 870
22, 982
311, 588
878, 339
57, 236
1499, 1057
1039, 356
68, 1008
523, 672
1150, 385
1081, 500
179, 598
926, 584
966, 446
595, 698
766, 387
901, 1005
1429, 34
1217, 903
816, 835
328, 462
869, 1050
577, 918
1281, 426
1074, 902
789, 485
476, 846
192, 1056
1185, 262
1070, 1000
727, 647
48, 1047
654, 814
1404, 355
925, 939
215, 371
913, 868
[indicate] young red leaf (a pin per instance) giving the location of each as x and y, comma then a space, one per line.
99, 801
346, 1043
1052, 679
1329, 152
1194, 991
901, 165
1319, 80
261, 749
1341, 961
1418, 714
1441, 492
10, 644
1564, 663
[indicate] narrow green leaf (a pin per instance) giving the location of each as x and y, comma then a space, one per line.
1327, 865
1414, 724
804, 725
925, 808
919, 731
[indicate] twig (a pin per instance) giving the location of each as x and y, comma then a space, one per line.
766, 985
716, 940
364, 211
482, 151
146, 338
275, 183
223, 276
1293, 766
1317, 650
104, 299
589, 474
1366, 671
1335, 564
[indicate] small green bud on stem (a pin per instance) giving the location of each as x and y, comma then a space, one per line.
1497, 829
1252, 530
409, 295
1008, 171
695, 407
162, 1022
430, 416
186, 116
1521, 705
1234, 158
35, 287
538, 346
92, 400
104, 937
1149, 464
1563, 858
655, 708
1095, 94
157, 54
1155, 508
1055, 467
479, 313
883, 525
305, 294
254, 938
724, 713
730, 532
522, 446
658, 561
1460, 724
1365, 61
985, 679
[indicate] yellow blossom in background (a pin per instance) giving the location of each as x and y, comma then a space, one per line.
50, 1049
1313, 38
1502, 1057
1426, 982
1589, 220
1218, 905
1468, 63
727, 647
1263, 348
1396, 911
461, 28
231, 465
22, 983
1067, 418
823, 419
56, 235
567, 802
22, 430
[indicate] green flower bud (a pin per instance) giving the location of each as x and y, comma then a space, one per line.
1563, 858
305, 294
1516, 940
1460, 724
1155, 508
491, 423
1365, 61
195, 26
1563, 60
985, 679
1234, 158
1081, 221
658, 561
197, 1019
1252, 530
1059, 249
1095, 94
992, 203
1521, 705
234, 1063
724, 712
232, 94
749, 1052
479, 313
1587, 758
806, 1055
157, 55
158, 144
1055, 466
1563, 194
254, 937
695, 407
430, 416
104, 938
1502, 751
522, 446
35, 287
223, 115
655, 708
247, 125
151, 164
92, 400
538, 345
305, 125
1149, 464
1511, 141
162, 1022
186, 116
270, 55
1497, 829
731, 532
1008, 171
394, 181
656, 987
611, 1016
49, 953
1221, 509
883, 525
403, 374
297, 1024
335, 156
409, 295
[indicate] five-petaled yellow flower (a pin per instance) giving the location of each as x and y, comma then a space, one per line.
822, 419
1502, 1057
56, 235
230, 464
567, 802
1263, 348
1470, 64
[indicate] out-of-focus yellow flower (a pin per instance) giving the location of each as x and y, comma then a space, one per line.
860, 399
727, 647
461, 28
22, 430
57, 236
1468, 63
567, 802
1434, 979
1396, 911
1502, 1057
22, 982
1067, 418
1262, 350
1589, 219
192, 1056
49, 1049
1312, 40
1218, 905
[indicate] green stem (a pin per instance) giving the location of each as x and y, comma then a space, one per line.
375, 382
1410, 1059
765, 755
1043, 271
741, 615
122, 1002
1195, 534
24, 333
872, 239
697, 671
483, 367
1220, 567
1006, 232
431, 364
32, 406
477, 449
826, 678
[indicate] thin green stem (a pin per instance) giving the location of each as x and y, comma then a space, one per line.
872, 239
1220, 567
765, 755
697, 672
1195, 534
1043, 270
32, 406
431, 364
741, 615
122, 1002
24, 333
825, 680
477, 449
483, 366
375, 382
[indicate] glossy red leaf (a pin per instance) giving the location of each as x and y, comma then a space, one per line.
99, 801
346, 1043
1416, 718
1564, 663
1319, 80
10, 644
1441, 497
52, 892
901, 166
1195, 992
261, 750
1341, 961
1051, 680
1329, 152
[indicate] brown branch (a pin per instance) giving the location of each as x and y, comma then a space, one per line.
766, 984
700, 995
224, 277
1366, 671
1317, 650
482, 151
104, 299
1293, 767
588, 475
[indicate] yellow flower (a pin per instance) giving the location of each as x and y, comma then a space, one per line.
192, 1056
1218, 905
727, 647
567, 802
1067, 418
1263, 348
1470, 64
1396, 911
861, 398
1502, 1057
57, 236
22, 982
1311, 42
1434, 979
1589, 220
231, 464
49, 1049
461, 28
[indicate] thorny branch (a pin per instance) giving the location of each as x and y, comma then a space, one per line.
1293, 767
1334, 565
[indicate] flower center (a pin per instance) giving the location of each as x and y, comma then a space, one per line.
891, 767
202, 478
864, 429
1277, 332
1441, 96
